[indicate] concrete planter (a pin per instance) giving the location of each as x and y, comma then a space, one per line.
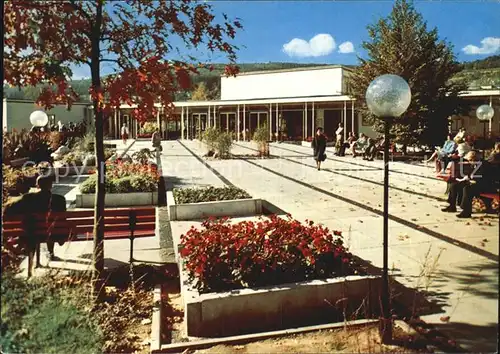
194, 211
71, 170
118, 199
291, 305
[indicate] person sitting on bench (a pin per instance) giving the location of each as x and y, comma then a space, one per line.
476, 179
444, 154
360, 144
38, 203
370, 151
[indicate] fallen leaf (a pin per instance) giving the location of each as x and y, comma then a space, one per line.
485, 240
444, 318
467, 223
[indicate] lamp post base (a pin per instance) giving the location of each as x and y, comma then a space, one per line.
385, 330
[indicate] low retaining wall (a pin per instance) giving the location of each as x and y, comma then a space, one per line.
118, 199
70, 170
244, 311
194, 211
278, 307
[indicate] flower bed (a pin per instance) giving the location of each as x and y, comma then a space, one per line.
144, 136
125, 178
224, 256
209, 194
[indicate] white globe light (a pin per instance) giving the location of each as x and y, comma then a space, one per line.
39, 118
485, 112
388, 96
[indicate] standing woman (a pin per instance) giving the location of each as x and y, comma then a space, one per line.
319, 146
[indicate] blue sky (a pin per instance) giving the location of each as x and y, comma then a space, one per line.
270, 25
332, 31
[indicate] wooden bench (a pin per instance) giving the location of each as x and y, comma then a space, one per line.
492, 196
120, 223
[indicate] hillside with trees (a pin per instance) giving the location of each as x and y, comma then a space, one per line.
483, 72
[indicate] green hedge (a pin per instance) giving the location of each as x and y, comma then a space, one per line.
127, 184
209, 194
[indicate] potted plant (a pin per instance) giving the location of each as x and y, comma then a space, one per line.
261, 137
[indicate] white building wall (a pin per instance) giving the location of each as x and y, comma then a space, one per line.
312, 82
16, 114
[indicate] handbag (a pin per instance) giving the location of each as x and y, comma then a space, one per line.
323, 157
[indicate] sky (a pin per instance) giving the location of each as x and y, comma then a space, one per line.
332, 31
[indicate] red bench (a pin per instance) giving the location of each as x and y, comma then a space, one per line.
79, 225
492, 196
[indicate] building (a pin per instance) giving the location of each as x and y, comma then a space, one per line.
292, 102
16, 113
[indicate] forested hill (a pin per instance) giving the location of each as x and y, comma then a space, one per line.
476, 73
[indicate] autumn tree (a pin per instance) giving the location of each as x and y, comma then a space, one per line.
401, 44
44, 39
200, 93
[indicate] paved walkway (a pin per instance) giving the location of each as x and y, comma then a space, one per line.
455, 261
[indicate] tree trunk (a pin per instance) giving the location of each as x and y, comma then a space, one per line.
98, 254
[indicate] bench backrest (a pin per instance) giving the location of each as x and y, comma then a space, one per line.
79, 224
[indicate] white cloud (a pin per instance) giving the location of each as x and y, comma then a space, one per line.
346, 47
319, 45
489, 45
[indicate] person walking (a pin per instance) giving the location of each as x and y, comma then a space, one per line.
319, 146
156, 141
124, 133
339, 141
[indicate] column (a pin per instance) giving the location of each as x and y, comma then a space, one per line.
208, 118
215, 117
116, 131
304, 128
270, 121
277, 123
199, 126
238, 123
227, 122
187, 123
182, 124
158, 122
244, 124
313, 118
136, 127
345, 120
491, 119
352, 118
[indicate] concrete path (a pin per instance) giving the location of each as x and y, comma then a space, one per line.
454, 261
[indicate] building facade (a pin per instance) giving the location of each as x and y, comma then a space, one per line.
16, 114
290, 103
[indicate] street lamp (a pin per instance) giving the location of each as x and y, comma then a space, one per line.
39, 119
387, 97
484, 113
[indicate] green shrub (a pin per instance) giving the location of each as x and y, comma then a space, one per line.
143, 156
261, 137
123, 185
209, 194
143, 184
44, 317
224, 144
210, 137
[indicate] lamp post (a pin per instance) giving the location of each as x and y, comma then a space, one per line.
39, 119
484, 113
387, 97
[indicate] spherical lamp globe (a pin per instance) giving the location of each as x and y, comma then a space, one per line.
39, 119
388, 96
484, 112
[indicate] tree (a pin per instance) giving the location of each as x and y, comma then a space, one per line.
401, 44
44, 38
200, 93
